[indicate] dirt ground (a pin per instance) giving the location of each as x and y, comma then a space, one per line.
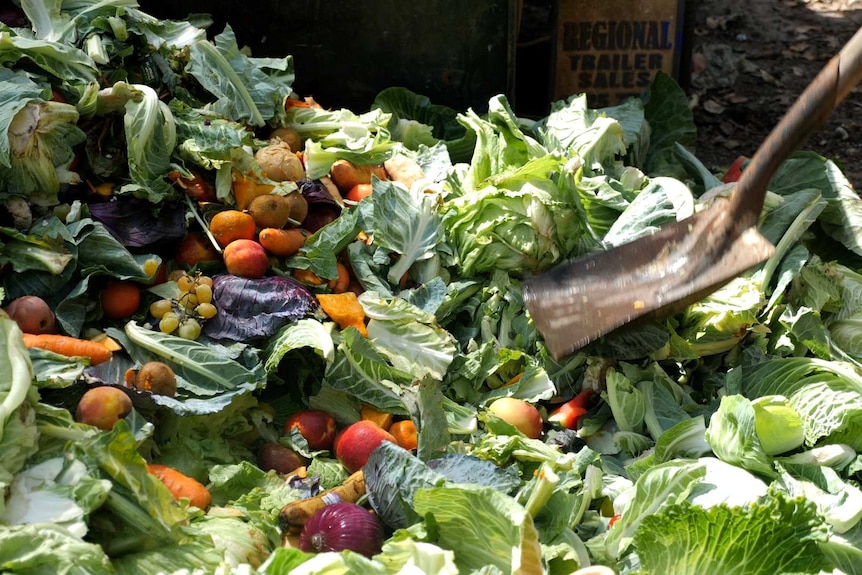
752, 58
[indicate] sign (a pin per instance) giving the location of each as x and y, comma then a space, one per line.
612, 49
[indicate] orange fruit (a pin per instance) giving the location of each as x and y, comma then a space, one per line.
231, 225
120, 299
404, 432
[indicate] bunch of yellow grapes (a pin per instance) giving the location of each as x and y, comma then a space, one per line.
184, 314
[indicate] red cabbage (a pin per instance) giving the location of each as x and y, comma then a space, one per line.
315, 192
256, 308
322, 208
132, 222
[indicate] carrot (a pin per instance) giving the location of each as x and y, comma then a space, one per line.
282, 243
245, 188
69, 346
339, 284
345, 174
296, 514
344, 309
181, 485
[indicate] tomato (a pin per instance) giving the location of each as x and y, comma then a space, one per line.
358, 192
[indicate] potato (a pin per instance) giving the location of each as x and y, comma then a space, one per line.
289, 136
279, 163
403, 169
270, 210
298, 206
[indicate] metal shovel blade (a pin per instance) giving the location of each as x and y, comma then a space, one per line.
581, 300
657, 275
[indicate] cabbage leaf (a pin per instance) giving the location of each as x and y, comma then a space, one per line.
778, 534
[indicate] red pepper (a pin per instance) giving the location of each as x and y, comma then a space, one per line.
570, 413
614, 519
735, 170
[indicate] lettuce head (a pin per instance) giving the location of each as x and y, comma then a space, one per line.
37, 137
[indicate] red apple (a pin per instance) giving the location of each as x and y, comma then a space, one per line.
518, 413
315, 425
32, 314
354, 444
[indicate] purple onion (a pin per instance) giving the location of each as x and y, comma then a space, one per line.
341, 526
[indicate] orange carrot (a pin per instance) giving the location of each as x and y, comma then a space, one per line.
69, 346
359, 192
181, 485
282, 243
339, 284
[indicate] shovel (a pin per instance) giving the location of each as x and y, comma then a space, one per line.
658, 275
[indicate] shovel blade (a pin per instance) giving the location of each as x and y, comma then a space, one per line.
653, 277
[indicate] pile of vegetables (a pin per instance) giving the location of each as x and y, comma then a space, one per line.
724, 439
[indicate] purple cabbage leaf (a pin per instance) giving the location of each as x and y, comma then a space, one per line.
249, 309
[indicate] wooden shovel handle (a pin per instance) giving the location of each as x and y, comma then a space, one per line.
810, 111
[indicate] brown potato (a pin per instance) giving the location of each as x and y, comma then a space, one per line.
298, 207
289, 136
270, 210
279, 163
403, 169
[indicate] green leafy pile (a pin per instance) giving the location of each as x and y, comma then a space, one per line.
724, 439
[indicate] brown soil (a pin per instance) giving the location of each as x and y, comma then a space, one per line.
752, 58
